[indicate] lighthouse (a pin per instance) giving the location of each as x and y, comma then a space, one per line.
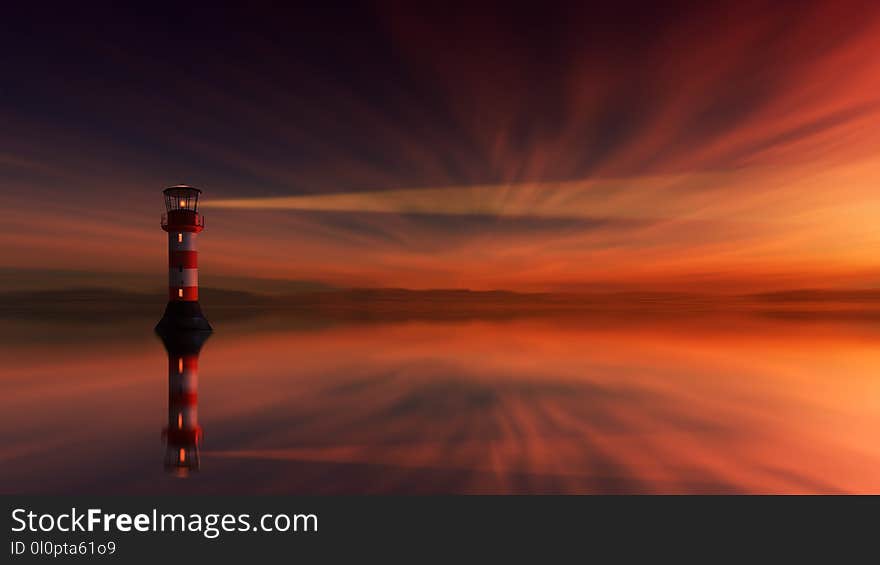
182, 433
183, 223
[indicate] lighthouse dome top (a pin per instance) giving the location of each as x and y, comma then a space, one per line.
181, 187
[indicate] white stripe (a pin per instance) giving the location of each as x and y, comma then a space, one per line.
188, 381
178, 277
182, 241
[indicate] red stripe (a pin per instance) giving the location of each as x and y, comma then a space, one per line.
190, 364
185, 259
183, 220
185, 398
190, 293
185, 436
176, 228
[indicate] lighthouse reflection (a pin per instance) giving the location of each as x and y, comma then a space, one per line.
183, 434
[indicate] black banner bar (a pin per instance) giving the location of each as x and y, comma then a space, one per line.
452, 528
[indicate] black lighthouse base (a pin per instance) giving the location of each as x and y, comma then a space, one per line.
183, 317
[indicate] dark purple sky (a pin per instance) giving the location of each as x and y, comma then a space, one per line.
543, 145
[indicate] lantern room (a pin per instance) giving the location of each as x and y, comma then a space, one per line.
182, 209
181, 197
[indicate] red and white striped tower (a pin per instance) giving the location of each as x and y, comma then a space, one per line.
183, 434
183, 223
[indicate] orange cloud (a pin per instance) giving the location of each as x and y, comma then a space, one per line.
729, 147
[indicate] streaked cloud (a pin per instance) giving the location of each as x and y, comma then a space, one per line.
728, 146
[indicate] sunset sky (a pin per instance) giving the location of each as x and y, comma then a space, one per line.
728, 148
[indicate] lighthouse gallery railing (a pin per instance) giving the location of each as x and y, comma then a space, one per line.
199, 220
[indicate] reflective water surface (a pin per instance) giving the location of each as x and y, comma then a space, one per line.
581, 404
